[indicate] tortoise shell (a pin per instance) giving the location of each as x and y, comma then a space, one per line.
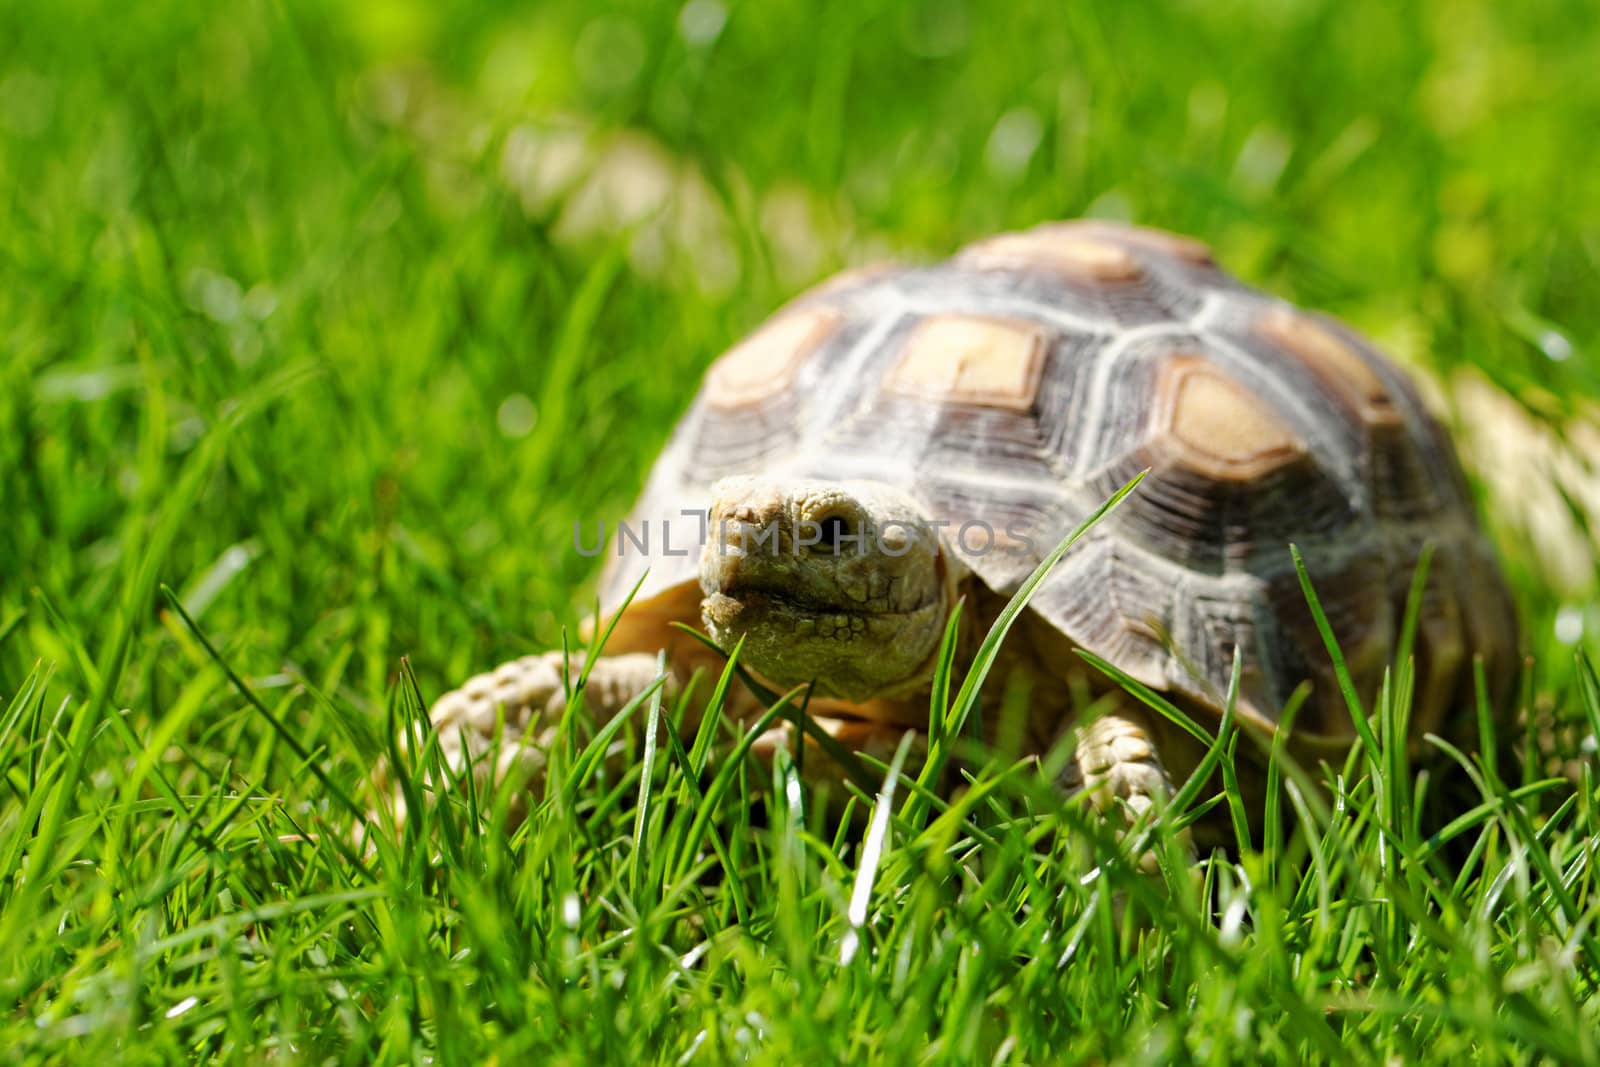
1016, 386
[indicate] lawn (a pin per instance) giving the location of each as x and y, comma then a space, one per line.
321, 324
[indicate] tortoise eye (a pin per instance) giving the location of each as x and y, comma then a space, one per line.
831, 531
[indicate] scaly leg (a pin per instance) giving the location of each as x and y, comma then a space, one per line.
524, 698
1117, 766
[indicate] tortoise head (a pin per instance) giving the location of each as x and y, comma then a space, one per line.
846, 584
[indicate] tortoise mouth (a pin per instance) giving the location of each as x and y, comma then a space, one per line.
733, 589
859, 624
747, 603
852, 653
805, 616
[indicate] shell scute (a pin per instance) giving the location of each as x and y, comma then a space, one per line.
972, 359
1216, 427
1091, 270
1362, 620
1067, 250
763, 365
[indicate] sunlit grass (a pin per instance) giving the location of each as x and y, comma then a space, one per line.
302, 388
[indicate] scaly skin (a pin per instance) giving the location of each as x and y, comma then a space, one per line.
860, 612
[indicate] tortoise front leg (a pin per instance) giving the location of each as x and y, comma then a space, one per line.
531, 688
514, 711
1116, 764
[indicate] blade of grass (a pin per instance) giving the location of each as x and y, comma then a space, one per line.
871, 854
284, 733
1347, 687
646, 780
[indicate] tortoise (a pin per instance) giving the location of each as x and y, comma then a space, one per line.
906, 437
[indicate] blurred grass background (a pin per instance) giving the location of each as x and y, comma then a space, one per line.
369, 225
334, 316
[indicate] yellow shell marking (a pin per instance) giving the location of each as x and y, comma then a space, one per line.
764, 364
1350, 379
1186, 249
971, 359
1065, 251
1216, 426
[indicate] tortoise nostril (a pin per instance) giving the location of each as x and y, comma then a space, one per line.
833, 531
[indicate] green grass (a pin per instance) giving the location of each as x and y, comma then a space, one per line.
283, 330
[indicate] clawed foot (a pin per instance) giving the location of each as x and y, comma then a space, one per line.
1118, 770
513, 712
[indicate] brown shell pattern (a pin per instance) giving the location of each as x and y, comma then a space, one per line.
1023, 381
